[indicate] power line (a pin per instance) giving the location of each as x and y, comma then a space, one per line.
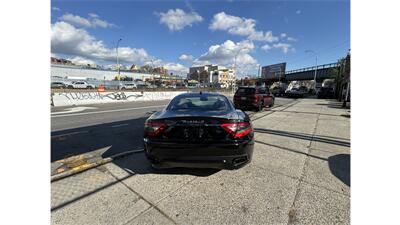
319, 51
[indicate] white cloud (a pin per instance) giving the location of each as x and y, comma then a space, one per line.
75, 20
178, 19
96, 22
224, 55
93, 21
81, 61
298, 11
188, 58
291, 39
67, 39
93, 15
176, 68
283, 46
240, 26
266, 47
283, 35
55, 8
86, 49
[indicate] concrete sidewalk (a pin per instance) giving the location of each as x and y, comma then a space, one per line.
300, 174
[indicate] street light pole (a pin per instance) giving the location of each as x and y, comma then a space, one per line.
152, 71
118, 58
316, 65
234, 69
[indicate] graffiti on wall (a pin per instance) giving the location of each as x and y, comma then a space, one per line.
97, 95
121, 96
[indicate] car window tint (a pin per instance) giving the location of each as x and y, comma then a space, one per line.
206, 103
246, 90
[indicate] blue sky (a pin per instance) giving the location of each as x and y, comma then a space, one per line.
257, 32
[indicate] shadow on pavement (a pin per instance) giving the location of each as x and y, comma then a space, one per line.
115, 137
334, 104
312, 113
291, 150
303, 136
138, 164
132, 164
340, 167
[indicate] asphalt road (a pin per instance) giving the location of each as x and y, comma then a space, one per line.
104, 129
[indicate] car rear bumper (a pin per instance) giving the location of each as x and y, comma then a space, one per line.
245, 104
219, 156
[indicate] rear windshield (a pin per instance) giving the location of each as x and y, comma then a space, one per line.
203, 103
246, 91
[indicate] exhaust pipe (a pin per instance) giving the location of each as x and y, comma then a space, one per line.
239, 161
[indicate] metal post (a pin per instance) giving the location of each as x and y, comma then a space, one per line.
234, 76
152, 72
118, 59
315, 74
280, 75
316, 64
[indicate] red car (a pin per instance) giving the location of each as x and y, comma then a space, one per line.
253, 97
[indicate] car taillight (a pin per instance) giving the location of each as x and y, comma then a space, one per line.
237, 129
253, 97
153, 128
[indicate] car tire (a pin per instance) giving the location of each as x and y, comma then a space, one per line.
70, 86
273, 102
259, 107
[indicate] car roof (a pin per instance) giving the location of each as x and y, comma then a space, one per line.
198, 94
251, 87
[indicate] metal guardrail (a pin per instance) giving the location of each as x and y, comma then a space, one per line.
219, 90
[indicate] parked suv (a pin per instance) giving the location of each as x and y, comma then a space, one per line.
253, 97
80, 84
326, 92
278, 91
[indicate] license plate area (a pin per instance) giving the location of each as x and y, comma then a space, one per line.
193, 133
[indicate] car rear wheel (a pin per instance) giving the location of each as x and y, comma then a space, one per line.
259, 107
272, 104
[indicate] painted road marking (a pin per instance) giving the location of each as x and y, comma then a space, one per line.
73, 110
108, 111
121, 125
69, 134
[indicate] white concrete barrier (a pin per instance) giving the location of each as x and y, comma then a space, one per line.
85, 98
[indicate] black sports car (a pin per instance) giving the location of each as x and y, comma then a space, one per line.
199, 130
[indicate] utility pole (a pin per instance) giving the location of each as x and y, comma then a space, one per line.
234, 76
316, 65
118, 59
152, 71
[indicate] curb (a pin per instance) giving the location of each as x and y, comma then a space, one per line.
87, 166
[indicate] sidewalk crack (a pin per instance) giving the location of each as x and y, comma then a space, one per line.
292, 210
144, 199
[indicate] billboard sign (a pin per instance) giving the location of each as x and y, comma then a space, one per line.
273, 71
